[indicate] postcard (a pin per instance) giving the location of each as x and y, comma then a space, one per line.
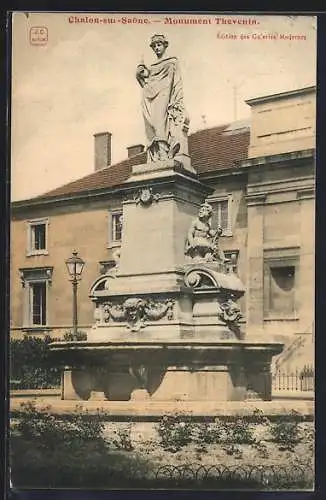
162, 251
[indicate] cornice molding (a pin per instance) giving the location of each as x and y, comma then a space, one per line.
306, 193
255, 199
281, 158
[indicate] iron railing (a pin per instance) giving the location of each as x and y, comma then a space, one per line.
219, 476
294, 380
261, 474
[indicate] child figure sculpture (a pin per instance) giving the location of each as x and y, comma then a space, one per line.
202, 240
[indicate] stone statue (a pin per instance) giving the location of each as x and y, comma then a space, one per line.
229, 312
163, 108
202, 240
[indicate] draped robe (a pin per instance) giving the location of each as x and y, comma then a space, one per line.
162, 103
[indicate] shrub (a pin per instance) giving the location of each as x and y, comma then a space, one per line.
122, 439
239, 431
71, 337
260, 418
48, 429
233, 449
261, 449
175, 431
286, 434
211, 433
31, 364
309, 436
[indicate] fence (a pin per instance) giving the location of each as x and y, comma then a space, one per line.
219, 477
295, 380
238, 475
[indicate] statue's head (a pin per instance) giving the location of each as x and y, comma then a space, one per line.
159, 44
205, 211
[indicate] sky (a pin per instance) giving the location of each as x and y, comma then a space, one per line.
81, 81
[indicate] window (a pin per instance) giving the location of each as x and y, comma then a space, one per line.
280, 277
115, 228
232, 256
282, 282
37, 237
36, 283
38, 303
222, 214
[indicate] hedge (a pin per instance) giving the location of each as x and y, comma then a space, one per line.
30, 364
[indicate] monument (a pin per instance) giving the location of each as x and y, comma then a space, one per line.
167, 323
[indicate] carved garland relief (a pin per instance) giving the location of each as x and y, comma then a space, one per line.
137, 311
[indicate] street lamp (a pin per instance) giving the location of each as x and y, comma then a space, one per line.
75, 266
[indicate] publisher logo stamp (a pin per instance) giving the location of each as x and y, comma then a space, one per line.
38, 35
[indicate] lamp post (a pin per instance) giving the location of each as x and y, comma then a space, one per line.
75, 266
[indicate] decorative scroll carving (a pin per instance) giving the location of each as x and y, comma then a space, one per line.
204, 276
200, 278
146, 197
136, 311
193, 279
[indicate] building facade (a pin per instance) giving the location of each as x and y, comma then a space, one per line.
263, 175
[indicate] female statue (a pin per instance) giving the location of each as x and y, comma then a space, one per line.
162, 103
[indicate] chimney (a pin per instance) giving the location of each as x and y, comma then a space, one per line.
102, 147
135, 150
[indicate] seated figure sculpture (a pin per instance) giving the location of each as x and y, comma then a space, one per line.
202, 240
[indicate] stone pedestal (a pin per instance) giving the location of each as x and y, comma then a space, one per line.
161, 202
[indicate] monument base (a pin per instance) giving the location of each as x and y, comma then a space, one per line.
198, 371
167, 324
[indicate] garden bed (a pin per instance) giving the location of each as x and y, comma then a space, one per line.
86, 451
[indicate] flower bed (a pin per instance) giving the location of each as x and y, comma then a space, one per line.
48, 450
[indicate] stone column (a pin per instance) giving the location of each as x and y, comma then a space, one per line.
306, 287
255, 266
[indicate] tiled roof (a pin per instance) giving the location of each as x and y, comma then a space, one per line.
210, 149
216, 148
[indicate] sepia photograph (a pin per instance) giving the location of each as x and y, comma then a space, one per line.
162, 251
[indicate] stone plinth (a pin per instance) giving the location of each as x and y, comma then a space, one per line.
163, 198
